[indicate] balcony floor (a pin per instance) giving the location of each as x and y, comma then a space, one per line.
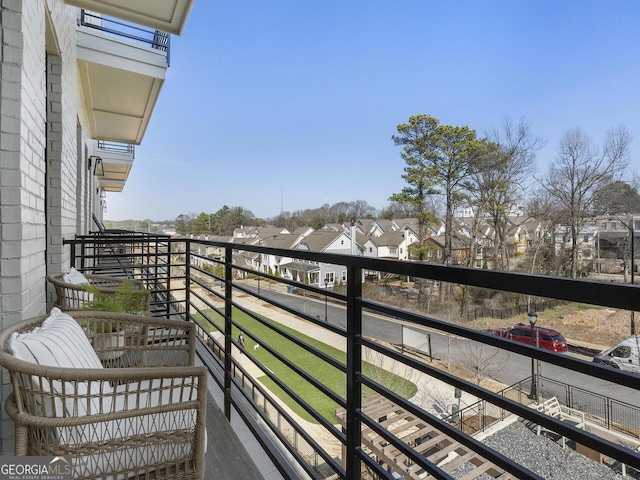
232, 450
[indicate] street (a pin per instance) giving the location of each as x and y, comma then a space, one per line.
449, 349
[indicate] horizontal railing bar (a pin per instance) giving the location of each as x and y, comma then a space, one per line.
586, 291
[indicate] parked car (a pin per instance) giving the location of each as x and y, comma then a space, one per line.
625, 355
547, 338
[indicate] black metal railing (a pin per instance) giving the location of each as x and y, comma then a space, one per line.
206, 282
609, 412
155, 39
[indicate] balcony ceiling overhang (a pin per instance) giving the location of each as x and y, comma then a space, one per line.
121, 83
165, 15
116, 172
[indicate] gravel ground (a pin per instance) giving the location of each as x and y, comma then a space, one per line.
543, 456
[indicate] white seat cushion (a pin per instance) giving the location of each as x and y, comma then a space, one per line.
60, 342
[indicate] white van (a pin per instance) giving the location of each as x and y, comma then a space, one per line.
625, 355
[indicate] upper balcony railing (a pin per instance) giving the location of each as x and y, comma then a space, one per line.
326, 374
152, 38
116, 147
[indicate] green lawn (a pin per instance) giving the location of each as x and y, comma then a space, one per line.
324, 373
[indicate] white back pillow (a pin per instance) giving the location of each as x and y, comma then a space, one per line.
74, 277
61, 342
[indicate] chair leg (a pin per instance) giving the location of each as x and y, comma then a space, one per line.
20, 443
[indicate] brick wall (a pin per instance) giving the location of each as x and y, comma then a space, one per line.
45, 190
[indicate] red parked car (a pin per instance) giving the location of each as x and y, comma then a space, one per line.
548, 338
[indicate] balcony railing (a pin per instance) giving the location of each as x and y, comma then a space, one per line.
152, 38
116, 147
373, 429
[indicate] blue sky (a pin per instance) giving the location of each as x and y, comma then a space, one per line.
289, 104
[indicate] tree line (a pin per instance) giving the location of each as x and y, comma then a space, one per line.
227, 219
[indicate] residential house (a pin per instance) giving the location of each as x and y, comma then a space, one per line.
517, 235
536, 231
587, 248
459, 249
206, 250
258, 232
264, 233
369, 227
319, 274
616, 234
268, 263
244, 232
478, 232
386, 225
394, 245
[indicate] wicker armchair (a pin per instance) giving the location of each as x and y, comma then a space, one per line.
70, 296
140, 413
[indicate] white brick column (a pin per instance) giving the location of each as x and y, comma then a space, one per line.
22, 120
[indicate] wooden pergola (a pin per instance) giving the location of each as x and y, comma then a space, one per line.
438, 448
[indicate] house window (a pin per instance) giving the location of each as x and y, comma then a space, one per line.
313, 278
344, 276
370, 249
439, 253
328, 277
393, 250
401, 251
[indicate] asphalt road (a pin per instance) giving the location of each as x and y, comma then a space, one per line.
448, 348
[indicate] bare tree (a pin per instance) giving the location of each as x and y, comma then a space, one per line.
579, 171
542, 209
507, 179
482, 361
392, 374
